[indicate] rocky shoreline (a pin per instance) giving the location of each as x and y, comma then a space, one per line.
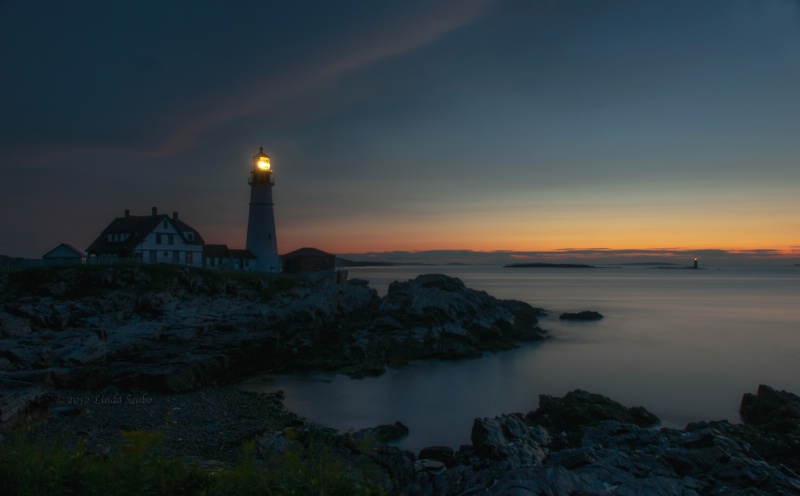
581, 444
89, 355
173, 329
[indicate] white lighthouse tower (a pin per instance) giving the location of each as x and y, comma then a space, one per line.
261, 239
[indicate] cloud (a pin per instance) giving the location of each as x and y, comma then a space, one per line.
272, 89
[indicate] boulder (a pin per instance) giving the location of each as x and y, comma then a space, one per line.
439, 317
775, 417
275, 445
16, 404
771, 410
510, 438
384, 433
579, 409
585, 315
443, 454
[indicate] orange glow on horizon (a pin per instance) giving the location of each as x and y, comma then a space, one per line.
506, 235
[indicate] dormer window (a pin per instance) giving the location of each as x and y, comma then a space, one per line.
189, 235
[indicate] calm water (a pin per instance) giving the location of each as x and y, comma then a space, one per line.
686, 344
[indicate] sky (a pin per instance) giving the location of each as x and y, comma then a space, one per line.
553, 128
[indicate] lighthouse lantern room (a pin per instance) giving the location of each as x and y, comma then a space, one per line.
261, 238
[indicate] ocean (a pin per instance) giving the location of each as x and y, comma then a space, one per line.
685, 344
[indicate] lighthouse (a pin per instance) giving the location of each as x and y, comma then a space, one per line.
261, 239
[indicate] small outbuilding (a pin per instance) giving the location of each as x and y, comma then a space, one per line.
308, 260
64, 254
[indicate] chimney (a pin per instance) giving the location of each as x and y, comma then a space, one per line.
174, 215
127, 213
155, 211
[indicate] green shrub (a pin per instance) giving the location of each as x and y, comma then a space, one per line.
137, 467
278, 285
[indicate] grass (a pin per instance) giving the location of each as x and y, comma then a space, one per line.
138, 467
75, 282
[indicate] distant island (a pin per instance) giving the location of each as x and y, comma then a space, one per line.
548, 266
648, 263
344, 263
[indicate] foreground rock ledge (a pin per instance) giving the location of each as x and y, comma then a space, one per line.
587, 444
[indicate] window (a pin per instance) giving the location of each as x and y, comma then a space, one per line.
189, 257
152, 256
189, 235
165, 223
110, 237
158, 238
170, 239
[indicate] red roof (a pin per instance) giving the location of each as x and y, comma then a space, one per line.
307, 252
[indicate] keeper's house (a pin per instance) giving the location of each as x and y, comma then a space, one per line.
148, 239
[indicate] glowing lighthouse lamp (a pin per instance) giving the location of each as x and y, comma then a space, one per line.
262, 160
261, 237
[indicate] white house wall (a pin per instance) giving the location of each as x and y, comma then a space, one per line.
177, 252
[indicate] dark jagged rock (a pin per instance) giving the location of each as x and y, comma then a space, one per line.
775, 417
579, 409
436, 316
771, 410
585, 315
384, 433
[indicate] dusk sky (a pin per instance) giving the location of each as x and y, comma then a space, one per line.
566, 126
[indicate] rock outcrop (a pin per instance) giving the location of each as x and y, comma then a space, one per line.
588, 444
172, 329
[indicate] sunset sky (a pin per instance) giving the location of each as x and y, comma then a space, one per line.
565, 126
